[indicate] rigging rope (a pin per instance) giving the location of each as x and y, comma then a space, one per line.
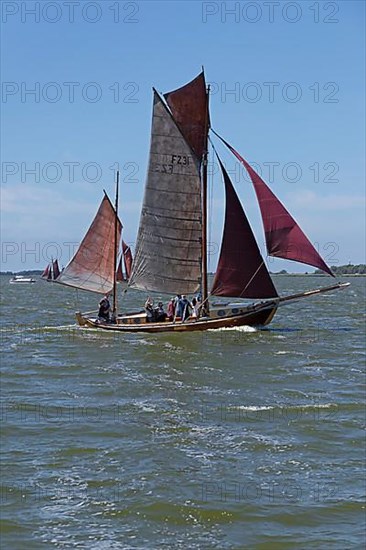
210, 210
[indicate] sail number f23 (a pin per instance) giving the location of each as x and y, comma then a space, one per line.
175, 160
180, 159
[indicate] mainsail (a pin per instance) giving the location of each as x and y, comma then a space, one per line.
241, 271
168, 250
284, 237
92, 267
189, 107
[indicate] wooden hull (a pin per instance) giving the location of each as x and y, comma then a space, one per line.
256, 315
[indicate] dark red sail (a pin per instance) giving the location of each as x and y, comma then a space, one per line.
56, 269
241, 271
127, 260
119, 274
127, 257
284, 238
189, 107
46, 272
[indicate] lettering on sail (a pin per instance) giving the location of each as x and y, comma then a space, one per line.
163, 168
174, 164
180, 159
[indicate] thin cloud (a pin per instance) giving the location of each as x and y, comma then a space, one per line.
313, 201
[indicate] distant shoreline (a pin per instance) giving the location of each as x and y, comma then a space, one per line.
337, 270
317, 274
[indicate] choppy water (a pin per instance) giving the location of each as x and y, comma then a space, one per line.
227, 439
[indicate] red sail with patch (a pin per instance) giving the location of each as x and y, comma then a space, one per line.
189, 107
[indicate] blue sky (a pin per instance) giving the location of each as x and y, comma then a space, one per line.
288, 83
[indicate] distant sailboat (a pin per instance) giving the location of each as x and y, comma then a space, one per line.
171, 249
52, 271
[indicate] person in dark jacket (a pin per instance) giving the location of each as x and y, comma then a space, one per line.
179, 306
160, 314
150, 313
104, 308
186, 308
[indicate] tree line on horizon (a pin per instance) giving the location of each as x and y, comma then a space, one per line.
350, 269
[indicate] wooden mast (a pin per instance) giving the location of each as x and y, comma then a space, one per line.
205, 307
114, 310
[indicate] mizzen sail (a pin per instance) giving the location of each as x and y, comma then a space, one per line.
92, 267
241, 271
168, 249
284, 238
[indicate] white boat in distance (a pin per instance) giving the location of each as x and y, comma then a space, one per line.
21, 279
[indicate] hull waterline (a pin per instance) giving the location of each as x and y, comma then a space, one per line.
257, 315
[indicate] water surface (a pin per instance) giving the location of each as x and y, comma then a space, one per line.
226, 439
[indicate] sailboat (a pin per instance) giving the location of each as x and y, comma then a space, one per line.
52, 271
171, 249
97, 263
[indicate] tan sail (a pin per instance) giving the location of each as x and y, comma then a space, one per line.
168, 251
92, 267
